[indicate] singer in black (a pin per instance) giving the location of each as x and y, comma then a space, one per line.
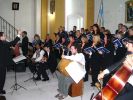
5, 57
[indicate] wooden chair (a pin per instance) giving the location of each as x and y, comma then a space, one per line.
76, 89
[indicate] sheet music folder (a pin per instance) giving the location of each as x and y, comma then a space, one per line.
76, 71
104, 50
89, 49
19, 58
117, 43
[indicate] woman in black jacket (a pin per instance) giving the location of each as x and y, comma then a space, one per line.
96, 59
86, 44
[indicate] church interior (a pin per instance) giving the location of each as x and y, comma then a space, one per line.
47, 31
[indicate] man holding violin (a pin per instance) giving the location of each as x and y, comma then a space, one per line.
127, 91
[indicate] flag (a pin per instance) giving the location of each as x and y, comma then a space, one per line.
100, 19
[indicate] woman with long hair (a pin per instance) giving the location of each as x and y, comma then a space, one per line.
85, 44
96, 59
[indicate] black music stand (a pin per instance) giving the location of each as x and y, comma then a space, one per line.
32, 78
16, 86
33, 74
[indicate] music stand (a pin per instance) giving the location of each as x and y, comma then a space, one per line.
32, 78
33, 74
16, 86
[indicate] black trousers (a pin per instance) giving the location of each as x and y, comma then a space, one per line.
106, 79
2, 76
95, 69
41, 70
126, 93
87, 70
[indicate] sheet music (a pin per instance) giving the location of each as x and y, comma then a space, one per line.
58, 45
19, 58
89, 37
76, 71
124, 40
104, 50
117, 43
89, 49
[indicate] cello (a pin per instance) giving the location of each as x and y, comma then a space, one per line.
115, 84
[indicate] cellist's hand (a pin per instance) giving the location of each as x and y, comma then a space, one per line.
62, 56
101, 75
129, 61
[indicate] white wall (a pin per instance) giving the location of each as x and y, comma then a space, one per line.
38, 17
74, 13
114, 13
25, 16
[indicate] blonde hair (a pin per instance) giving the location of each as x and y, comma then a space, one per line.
96, 39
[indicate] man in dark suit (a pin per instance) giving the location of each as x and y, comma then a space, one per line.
52, 60
127, 92
24, 45
5, 57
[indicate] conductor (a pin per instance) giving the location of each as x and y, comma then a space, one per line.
5, 57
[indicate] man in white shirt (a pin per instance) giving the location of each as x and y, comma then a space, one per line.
64, 82
127, 92
36, 59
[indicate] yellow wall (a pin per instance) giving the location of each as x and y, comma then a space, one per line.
58, 18
44, 13
89, 13
54, 20
59, 13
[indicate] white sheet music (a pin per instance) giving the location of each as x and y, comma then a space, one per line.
76, 71
19, 58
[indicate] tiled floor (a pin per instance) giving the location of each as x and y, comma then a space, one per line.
41, 91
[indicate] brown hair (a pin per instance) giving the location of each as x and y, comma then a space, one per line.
1, 34
84, 38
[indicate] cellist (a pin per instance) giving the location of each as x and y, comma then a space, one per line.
127, 91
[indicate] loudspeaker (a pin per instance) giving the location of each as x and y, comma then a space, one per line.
15, 6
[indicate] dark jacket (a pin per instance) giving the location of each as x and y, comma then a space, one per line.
51, 61
25, 41
5, 56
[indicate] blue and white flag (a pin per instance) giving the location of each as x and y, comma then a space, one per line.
100, 19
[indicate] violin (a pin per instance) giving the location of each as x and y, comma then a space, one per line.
115, 84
